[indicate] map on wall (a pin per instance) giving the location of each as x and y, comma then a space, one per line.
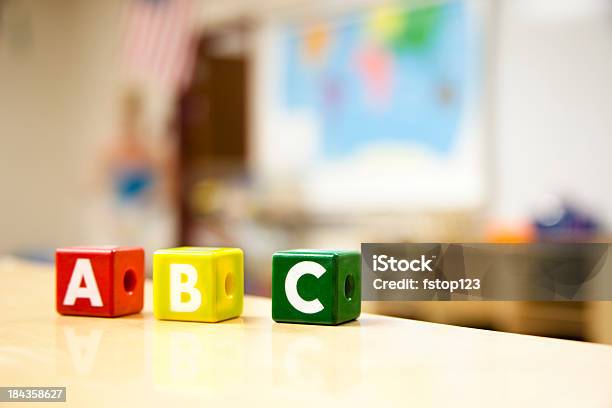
393, 75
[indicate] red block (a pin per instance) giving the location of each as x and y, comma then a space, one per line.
99, 281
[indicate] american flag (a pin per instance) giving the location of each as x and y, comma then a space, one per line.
158, 40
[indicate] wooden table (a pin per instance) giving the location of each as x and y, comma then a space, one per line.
250, 361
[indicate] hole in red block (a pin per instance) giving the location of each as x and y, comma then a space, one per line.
349, 287
129, 281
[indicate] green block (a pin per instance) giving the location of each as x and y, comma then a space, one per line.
316, 286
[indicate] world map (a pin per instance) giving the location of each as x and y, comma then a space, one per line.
395, 75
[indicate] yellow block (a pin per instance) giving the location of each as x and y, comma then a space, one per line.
198, 284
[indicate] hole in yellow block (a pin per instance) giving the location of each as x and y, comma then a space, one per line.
229, 285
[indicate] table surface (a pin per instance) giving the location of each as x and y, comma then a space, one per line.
252, 360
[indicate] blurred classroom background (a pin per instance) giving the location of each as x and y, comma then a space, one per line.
277, 124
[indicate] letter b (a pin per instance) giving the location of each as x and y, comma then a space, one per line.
178, 288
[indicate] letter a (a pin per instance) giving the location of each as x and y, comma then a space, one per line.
83, 272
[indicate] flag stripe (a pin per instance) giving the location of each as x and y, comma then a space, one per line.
157, 38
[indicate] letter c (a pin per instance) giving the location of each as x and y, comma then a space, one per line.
293, 276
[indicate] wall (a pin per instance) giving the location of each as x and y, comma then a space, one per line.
56, 97
553, 99
60, 89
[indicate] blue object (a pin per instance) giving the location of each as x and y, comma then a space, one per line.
570, 225
133, 183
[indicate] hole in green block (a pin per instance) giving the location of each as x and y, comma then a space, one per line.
349, 287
